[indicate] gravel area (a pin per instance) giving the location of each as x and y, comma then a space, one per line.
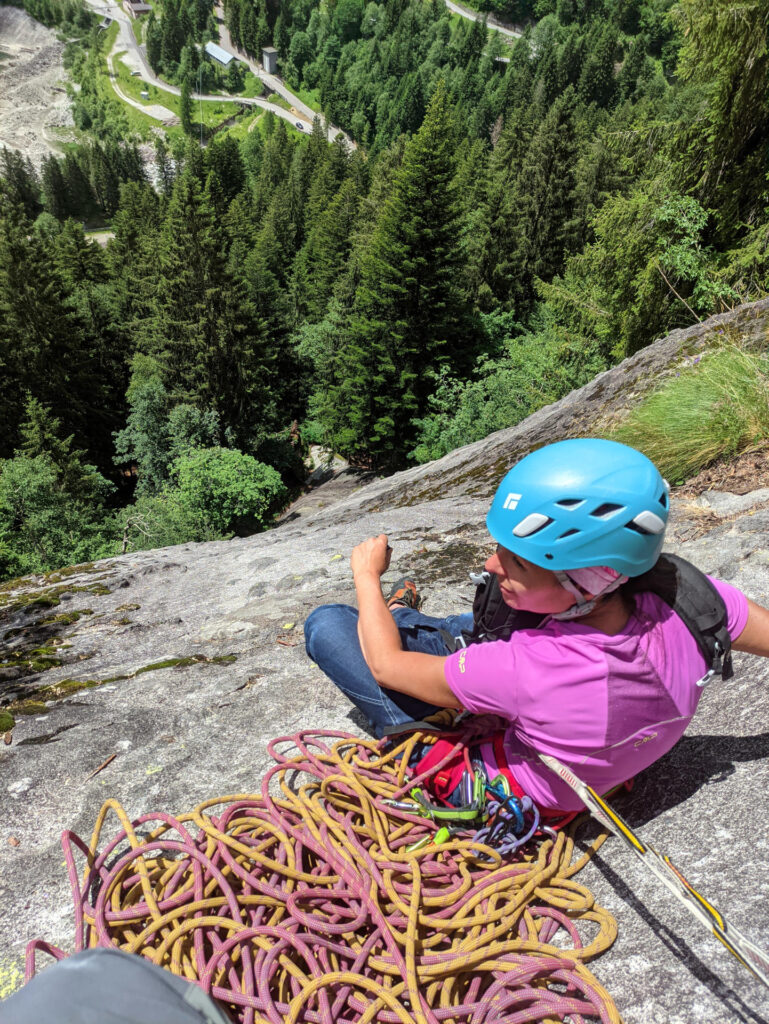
33, 101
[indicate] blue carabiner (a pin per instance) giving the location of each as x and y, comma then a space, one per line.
512, 805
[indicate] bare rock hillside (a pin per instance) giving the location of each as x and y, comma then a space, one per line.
33, 101
183, 662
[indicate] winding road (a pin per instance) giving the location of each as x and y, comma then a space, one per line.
135, 56
491, 21
300, 117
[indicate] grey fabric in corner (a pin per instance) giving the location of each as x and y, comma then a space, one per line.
107, 986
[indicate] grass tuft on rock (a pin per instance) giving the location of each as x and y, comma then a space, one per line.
716, 406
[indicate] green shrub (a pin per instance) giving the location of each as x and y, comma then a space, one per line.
224, 490
42, 525
215, 492
716, 406
157, 433
537, 369
156, 521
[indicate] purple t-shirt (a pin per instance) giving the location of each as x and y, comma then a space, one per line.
608, 706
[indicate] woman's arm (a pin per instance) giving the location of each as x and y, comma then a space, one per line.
418, 675
755, 636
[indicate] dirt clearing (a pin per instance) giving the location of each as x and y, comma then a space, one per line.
33, 103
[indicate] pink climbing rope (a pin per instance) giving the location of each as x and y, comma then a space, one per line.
304, 903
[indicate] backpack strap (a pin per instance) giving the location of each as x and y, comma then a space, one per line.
680, 584
492, 618
696, 601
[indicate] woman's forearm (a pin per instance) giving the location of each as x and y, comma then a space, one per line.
410, 672
377, 631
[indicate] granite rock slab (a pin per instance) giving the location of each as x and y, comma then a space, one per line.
194, 660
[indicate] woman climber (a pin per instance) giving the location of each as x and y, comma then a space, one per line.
607, 681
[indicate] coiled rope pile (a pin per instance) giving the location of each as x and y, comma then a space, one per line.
309, 907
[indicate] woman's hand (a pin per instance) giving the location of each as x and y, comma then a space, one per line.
372, 556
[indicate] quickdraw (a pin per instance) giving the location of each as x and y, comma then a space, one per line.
490, 812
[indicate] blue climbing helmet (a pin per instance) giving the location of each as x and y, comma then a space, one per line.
582, 503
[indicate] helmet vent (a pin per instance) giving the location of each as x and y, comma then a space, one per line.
663, 499
605, 510
532, 524
569, 502
569, 533
647, 524
637, 528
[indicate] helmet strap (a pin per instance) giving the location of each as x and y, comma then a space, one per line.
585, 602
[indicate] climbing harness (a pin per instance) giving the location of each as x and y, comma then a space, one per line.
741, 947
497, 809
324, 898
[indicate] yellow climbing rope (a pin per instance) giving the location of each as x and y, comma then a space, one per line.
309, 903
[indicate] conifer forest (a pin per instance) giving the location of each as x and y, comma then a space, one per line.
498, 219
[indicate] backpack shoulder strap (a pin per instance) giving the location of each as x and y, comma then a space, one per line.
492, 618
696, 601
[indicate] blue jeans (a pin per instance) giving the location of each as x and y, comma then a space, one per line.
331, 640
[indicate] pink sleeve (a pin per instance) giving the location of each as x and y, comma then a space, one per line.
479, 677
736, 607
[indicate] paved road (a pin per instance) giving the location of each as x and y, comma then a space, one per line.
491, 21
272, 81
135, 56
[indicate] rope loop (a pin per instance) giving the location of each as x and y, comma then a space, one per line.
317, 901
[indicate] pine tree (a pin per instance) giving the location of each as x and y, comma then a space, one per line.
45, 349
104, 179
163, 165
78, 190
132, 259
210, 352
541, 206
571, 57
596, 83
632, 67
172, 36
185, 107
408, 319
497, 225
41, 434
154, 43
223, 160
323, 257
18, 180
54, 188
723, 154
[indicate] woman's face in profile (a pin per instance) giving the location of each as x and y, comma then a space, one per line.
526, 586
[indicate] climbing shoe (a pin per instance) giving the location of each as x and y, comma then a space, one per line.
404, 592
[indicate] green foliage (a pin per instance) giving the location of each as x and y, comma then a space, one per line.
20, 183
535, 370
41, 437
203, 334
157, 433
646, 273
714, 407
51, 501
72, 16
502, 231
222, 490
538, 231
725, 51
185, 107
211, 493
44, 341
408, 317
145, 441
